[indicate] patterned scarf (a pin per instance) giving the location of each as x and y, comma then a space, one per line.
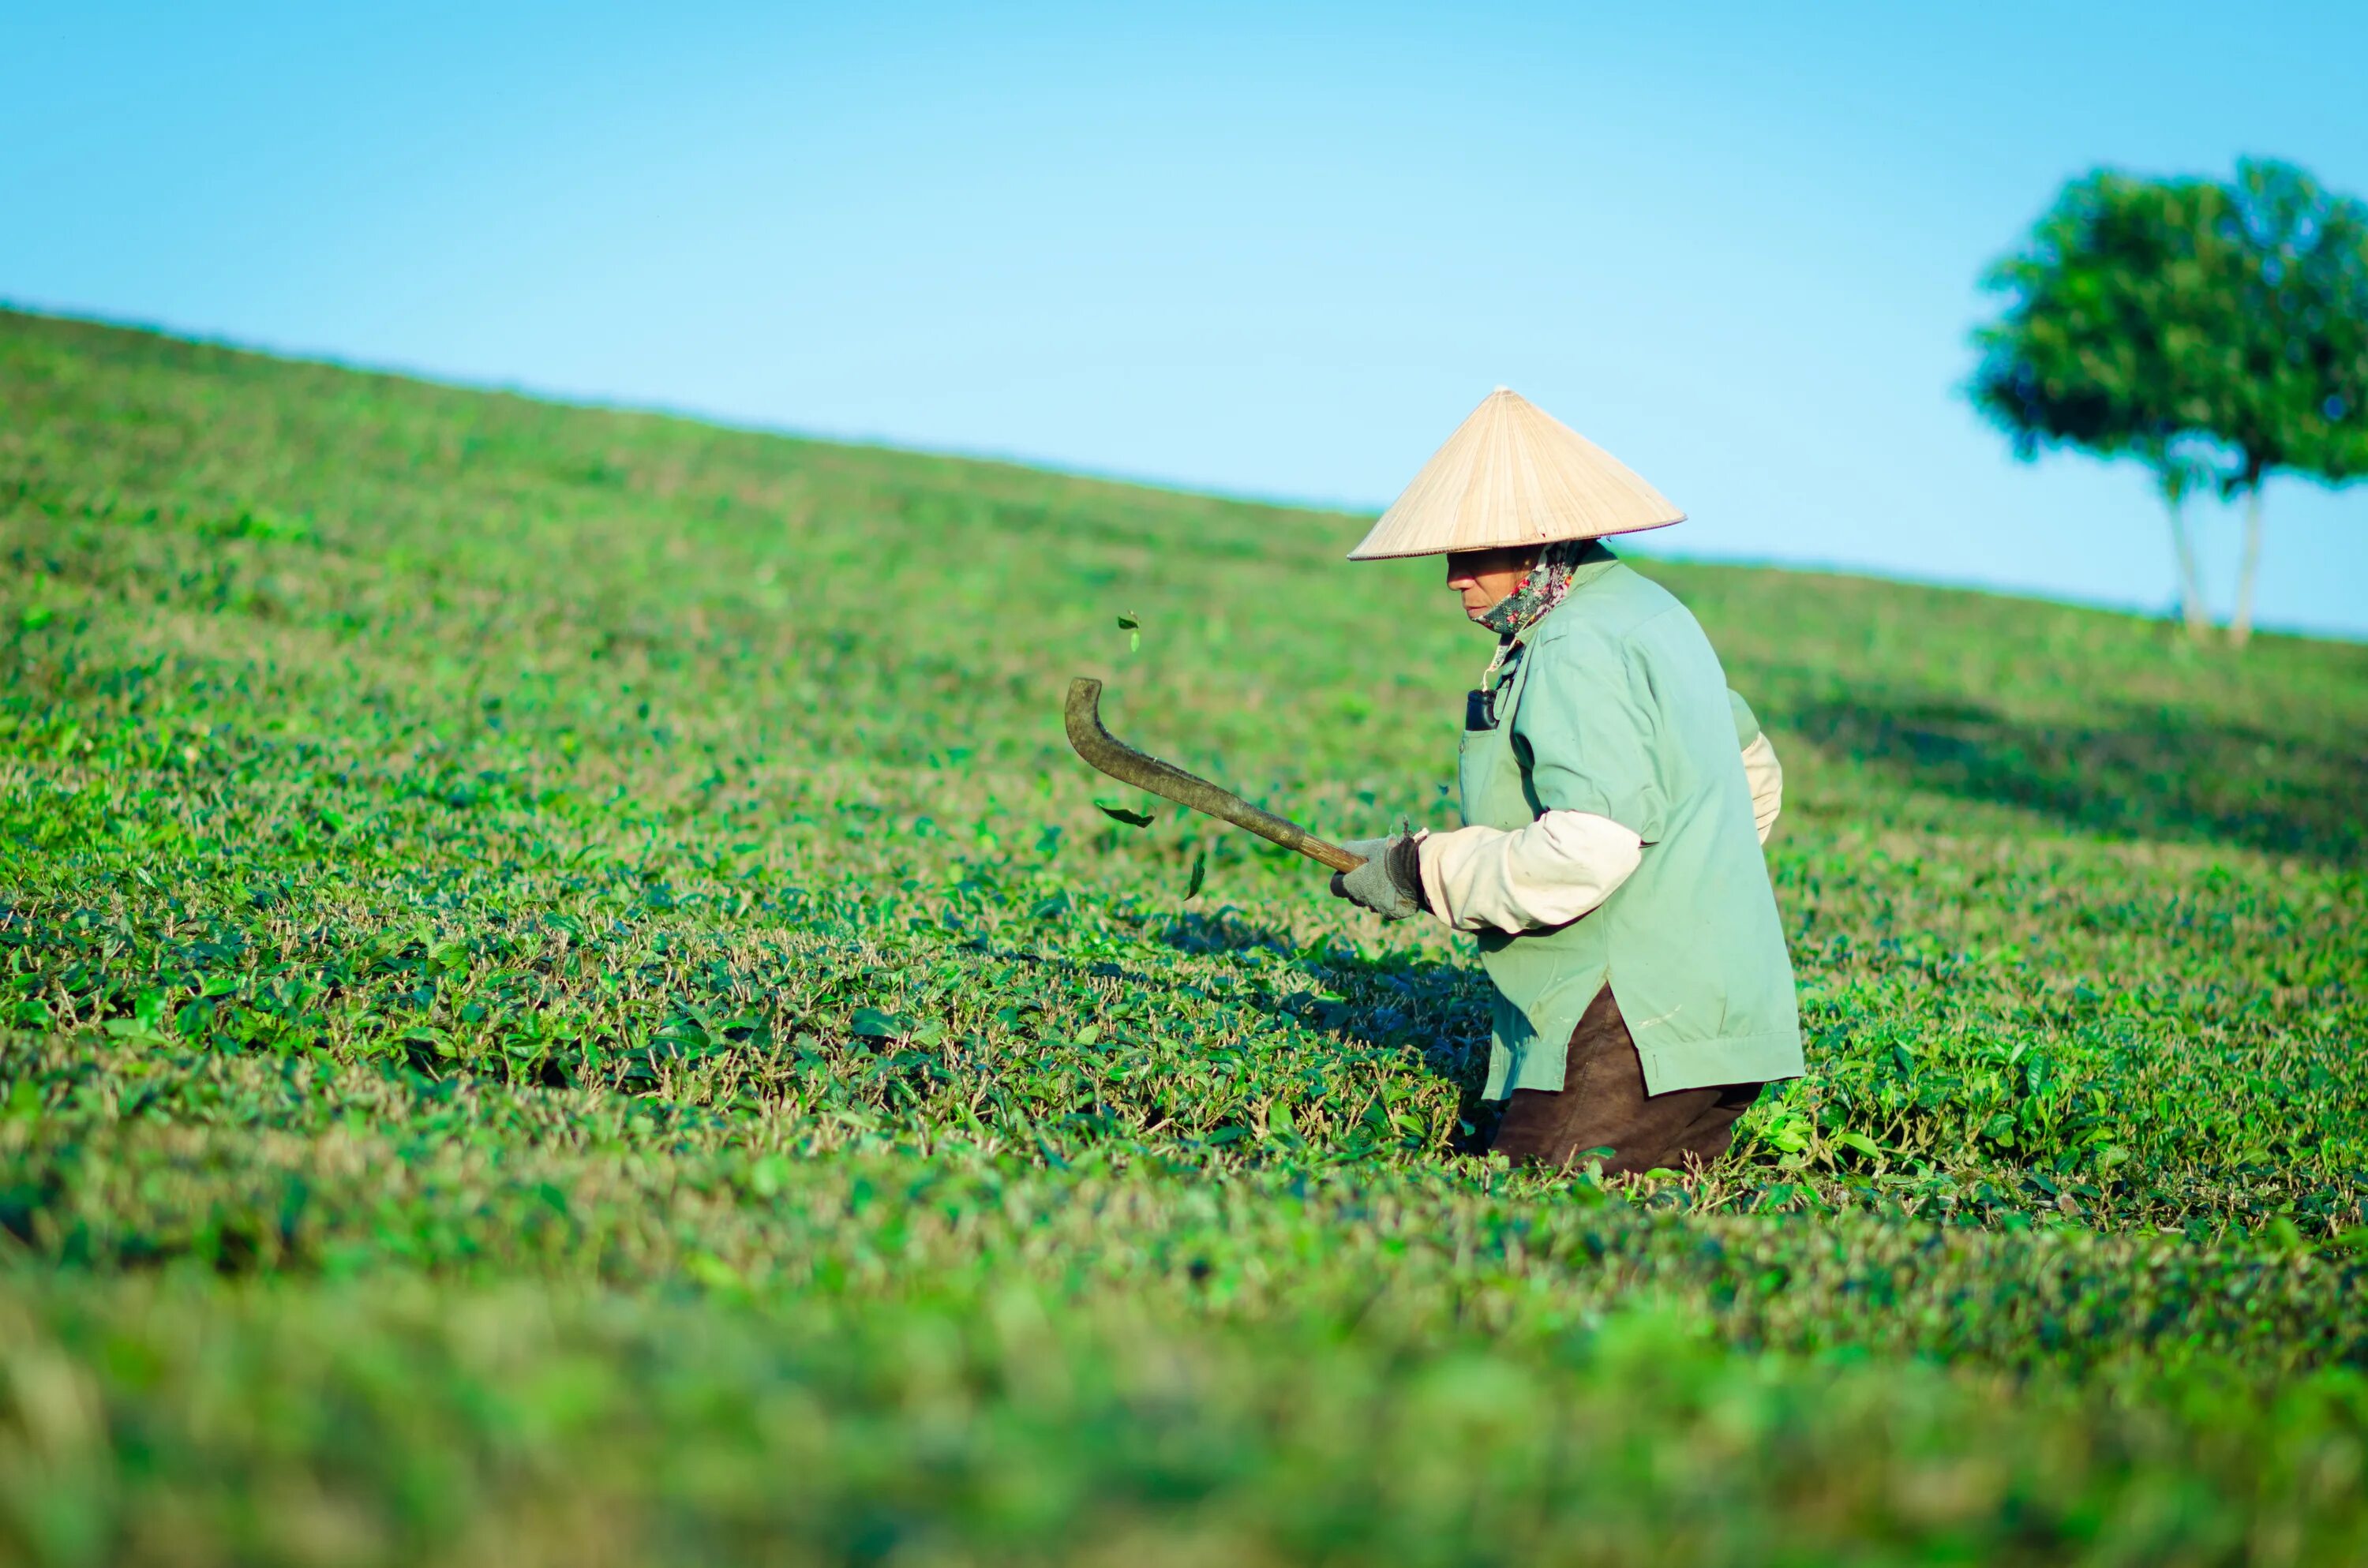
1539, 592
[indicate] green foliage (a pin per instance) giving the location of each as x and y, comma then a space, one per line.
2294, 350
542, 1027
1031, 1425
2211, 330
2107, 343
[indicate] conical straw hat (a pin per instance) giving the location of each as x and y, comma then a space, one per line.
1513, 474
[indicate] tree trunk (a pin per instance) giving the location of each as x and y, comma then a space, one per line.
2240, 627
2191, 586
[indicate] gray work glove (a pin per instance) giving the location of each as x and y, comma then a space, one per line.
1389, 882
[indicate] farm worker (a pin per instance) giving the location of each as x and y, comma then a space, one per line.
1615, 797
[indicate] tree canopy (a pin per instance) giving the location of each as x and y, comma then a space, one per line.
2293, 375
2215, 331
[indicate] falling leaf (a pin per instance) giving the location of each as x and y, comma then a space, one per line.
1122, 813
1133, 627
1199, 875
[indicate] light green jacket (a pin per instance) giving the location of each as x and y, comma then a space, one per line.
1616, 704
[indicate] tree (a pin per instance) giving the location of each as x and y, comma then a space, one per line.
2292, 370
2217, 333
2097, 347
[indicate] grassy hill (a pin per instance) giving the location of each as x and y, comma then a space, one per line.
568, 1003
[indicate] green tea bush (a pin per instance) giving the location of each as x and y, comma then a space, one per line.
565, 999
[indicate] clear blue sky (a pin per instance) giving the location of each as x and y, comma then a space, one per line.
1261, 249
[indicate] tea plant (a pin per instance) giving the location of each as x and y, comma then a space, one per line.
568, 1000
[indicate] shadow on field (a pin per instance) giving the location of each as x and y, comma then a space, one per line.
1433, 1015
1223, 931
2143, 775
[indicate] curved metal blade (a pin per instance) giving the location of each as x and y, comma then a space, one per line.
1107, 752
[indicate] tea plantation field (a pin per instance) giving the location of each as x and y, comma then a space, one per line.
567, 1002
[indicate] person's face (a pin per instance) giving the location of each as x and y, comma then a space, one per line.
1485, 576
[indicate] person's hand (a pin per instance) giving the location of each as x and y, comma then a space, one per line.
1389, 882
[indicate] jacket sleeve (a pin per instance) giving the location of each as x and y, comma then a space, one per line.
1532, 879
1767, 776
1590, 725
1759, 764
